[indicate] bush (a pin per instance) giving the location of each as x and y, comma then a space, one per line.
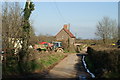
105, 61
42, 62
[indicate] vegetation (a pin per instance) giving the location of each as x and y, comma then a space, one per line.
104, 62
18, 34
45, 61
11, 32
45, 38
68, 47
97, 42
89, 64
107, 29
23, 54
15, 28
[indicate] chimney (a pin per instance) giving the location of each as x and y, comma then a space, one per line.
66, 26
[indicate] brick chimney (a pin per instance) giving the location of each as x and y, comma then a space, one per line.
66, 27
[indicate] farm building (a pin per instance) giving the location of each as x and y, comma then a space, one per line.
65, 35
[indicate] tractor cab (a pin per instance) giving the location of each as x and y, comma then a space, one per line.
57, 46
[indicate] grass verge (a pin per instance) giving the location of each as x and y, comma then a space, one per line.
44, 63
89, 64
48, 61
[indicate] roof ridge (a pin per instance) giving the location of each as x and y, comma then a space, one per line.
69, 33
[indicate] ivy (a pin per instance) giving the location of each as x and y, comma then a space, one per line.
29, 7
28, 10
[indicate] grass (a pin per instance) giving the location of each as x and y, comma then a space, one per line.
69, 51
47, 61
111, 75
43, 63
11, 68
89, 64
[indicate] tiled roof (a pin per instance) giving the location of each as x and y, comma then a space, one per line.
69, 33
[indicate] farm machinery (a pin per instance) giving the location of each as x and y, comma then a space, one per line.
45, 46
57, 47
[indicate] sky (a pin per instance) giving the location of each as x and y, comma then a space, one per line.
49, 17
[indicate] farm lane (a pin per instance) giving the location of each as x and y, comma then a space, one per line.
70, 67
65, 69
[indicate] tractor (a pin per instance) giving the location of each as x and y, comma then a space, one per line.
57, 47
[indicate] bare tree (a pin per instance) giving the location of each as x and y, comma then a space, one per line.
11, 22
16, 31
114, 30
106, 29
11, 31
46, 38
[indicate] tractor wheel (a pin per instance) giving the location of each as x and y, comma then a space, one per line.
60, 50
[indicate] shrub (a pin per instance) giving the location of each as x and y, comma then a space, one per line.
104, 61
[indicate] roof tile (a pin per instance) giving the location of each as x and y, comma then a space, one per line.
69, 33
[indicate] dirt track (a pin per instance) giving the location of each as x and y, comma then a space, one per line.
70, 67
65, 69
